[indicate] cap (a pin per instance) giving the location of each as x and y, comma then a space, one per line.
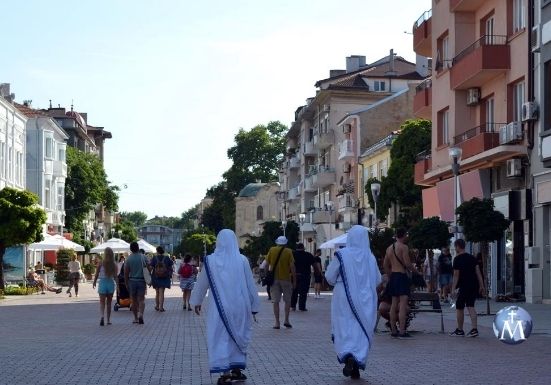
281, 240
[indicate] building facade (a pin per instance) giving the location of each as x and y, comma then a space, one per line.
12, 141
163, 236
475, 96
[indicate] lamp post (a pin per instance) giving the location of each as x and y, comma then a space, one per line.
375, 192
330, 208
455, 156
284, 225
301, 218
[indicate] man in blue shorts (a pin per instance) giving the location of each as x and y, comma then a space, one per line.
135, 282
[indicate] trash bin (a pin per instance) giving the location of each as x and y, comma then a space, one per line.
533, 275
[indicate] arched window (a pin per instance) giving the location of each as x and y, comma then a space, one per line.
259, 213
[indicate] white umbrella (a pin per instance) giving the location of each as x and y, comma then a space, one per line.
335, 242
55, 242
146, 246
116, 244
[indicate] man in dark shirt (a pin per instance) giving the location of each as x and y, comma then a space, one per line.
445, 272
303, 264
466, 278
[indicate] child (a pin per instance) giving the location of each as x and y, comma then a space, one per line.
187, 273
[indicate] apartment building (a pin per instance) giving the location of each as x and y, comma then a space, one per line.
163, 236
538, 257
326, 138
475, 97
12, 141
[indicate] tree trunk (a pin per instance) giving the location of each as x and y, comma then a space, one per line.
2, 252
486, 274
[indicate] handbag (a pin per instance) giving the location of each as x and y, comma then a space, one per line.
269, 278
414, 277
146, 273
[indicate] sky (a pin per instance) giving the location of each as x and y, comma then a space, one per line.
174, 80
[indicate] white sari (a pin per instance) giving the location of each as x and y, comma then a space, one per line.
355, 275
233, 299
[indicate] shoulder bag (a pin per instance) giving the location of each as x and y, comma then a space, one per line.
415, 278
146, 273
270, 274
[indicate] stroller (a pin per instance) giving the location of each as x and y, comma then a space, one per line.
123, 296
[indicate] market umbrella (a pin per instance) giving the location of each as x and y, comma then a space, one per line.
55, 242
146, 246
116, 244
335, 242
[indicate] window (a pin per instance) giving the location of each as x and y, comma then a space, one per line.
490, 110
443, 127
10, 164
47, 194
60, 198
259, 213
2, 158
518, 100
383, 168
379, 85
546, 101
443, 60
61, 152
373, 171
519, 15
49, 147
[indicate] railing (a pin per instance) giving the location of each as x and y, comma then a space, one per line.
424, 17
424, 85
483, 128
346, 147
483, 41
423, 155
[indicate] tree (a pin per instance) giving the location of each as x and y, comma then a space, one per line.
125, 230
482, 224
137, 218
62, 266
86, 186
172, 222
260, 245
195, 241
21, 220
429, 234
398, 186
379, 240
221, 213
188, 218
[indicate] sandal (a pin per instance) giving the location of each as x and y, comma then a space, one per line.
289, 326
276, 327
237, 375
224, 379
348, 367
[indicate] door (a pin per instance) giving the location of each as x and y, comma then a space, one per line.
489, 30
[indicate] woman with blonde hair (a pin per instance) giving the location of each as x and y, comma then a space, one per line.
106, 272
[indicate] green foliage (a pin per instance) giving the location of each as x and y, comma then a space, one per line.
379, 240
125, 230
21, 221
398, 186
188, 218
193, 242
137, 218
221, 213
257, 246
62, 268
481, 223
430, 233
89, 269
15, 290
368, 184
172, 222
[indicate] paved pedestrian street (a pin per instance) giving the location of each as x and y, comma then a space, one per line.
53, 339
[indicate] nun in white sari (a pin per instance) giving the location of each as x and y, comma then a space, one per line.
355, 275
233, 299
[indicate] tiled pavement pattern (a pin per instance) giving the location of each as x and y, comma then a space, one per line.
52, 339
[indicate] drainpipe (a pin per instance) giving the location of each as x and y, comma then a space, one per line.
531, 71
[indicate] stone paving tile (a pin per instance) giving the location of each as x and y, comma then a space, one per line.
51, 339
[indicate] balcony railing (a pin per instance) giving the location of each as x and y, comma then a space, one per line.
422, 34
324, 138
309, 149
483, 128
345, 201
424, 85
424, 17
346, 149
422, 100
294, 162
482, 42
324, 177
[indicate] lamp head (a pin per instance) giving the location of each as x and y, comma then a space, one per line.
455, 154
375, 189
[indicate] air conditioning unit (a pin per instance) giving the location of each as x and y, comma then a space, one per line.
346, 167
514, 168
473, 96
529, 111
326, 108
535, 39
514, 132
347, 128
504, 135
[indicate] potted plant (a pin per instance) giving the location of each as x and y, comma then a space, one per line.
89, 270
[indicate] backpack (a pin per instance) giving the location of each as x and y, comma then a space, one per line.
161, 271
186, 270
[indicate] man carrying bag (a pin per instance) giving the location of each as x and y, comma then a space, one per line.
282, 272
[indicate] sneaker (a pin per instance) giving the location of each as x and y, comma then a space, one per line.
70, 295
472, 333
457, 333
405, 336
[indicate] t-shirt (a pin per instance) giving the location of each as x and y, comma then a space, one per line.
303, 262
283, 269
74, 266
445, 264
317, 260
135, 266
466, 264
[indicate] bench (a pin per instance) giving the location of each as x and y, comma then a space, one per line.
418, 304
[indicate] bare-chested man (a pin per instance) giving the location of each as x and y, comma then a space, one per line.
395, 264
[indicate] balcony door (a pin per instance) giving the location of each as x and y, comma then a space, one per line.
490, 110
489, 30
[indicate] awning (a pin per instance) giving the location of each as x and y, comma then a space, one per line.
307, 228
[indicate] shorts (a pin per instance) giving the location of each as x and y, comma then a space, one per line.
106, 286
136, 288
318, 278
398, 285
444, 279
281, 288
465, 298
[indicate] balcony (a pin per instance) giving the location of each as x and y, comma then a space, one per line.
309, 184
60, 169
423, 165
345, 201
294, 193
322, 216
294, 162
346, 150
480, 62
422, 101
324, 177
478, 139
48, 166
422, 34
465, 5
309, 149
324, 138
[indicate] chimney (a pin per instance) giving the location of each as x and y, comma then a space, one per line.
333, 73
354, 63
27, 103
4, 89
391, 71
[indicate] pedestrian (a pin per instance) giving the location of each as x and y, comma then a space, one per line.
445, 272
355, 277
34, 280
231, 310
74, 275
303, 268
264, 266
187, 273
120, 264
430, 271
177, 263
396, 264
161, 267
135, 281
106, 273
468, 280
318, 275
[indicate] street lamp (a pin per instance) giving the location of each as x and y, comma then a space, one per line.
301, 218
329, 205
375, 192
455, 156
284, 225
